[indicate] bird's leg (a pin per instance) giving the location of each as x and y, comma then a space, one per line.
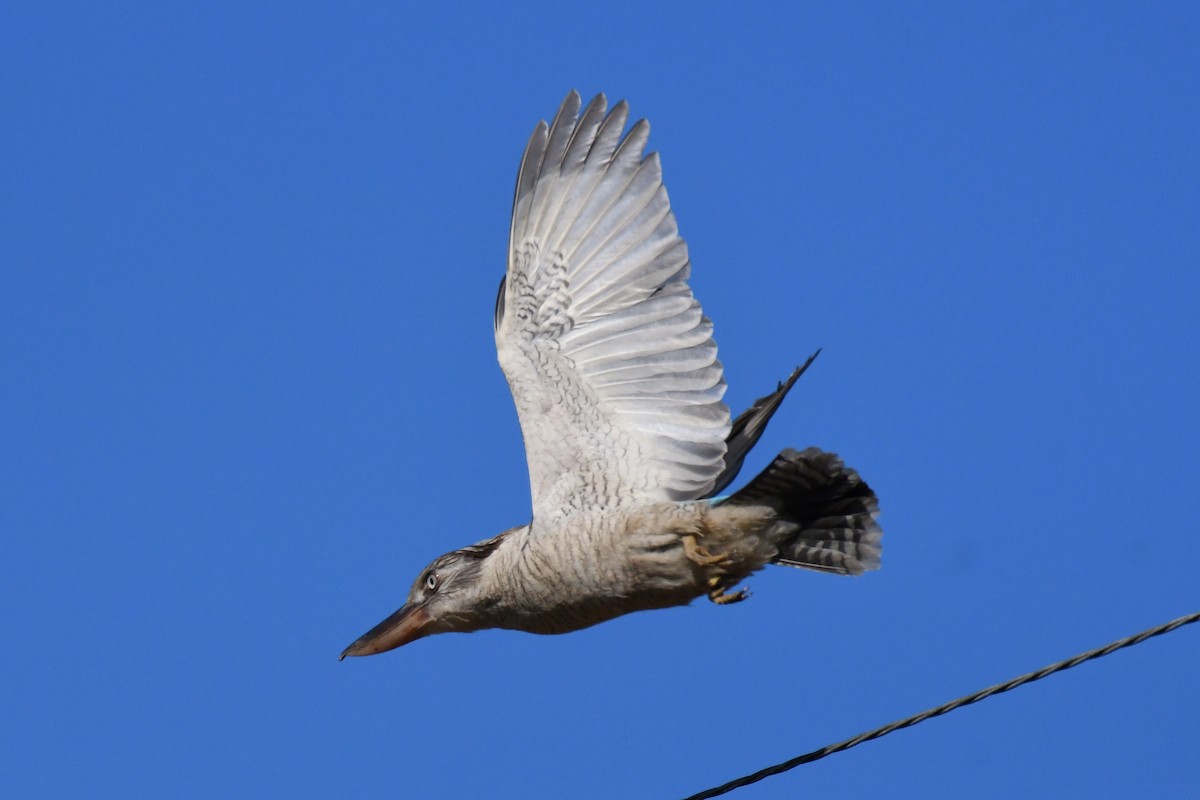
717, 593
716, 583
696, 553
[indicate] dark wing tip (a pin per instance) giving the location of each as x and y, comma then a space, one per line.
749, 426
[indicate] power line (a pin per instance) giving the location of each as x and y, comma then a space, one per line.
908, 722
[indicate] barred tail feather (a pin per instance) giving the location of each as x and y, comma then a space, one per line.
826, 511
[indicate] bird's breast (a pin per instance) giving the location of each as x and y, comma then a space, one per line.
589, 568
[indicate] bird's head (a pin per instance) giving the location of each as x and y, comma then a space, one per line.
448, 596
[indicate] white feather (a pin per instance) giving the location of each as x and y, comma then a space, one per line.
611, 362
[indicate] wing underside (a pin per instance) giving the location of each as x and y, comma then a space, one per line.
610, 360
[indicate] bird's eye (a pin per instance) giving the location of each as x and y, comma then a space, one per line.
431, 582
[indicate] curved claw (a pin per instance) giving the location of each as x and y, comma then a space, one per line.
717, 593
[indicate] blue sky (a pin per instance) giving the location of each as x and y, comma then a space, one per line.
248, 255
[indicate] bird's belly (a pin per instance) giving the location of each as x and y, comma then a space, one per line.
611, 566
592, 568
585, 610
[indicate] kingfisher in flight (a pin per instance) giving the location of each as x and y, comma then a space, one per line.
614, 373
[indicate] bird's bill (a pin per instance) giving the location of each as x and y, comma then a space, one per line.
411, 622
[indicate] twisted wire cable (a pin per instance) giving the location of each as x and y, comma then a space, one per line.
983, 694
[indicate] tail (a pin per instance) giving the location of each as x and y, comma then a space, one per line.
829, 512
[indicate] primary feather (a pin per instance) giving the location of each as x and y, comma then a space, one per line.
611, 363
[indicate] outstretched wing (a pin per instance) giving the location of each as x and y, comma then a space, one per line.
611, 363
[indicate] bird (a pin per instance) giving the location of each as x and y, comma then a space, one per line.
614, 373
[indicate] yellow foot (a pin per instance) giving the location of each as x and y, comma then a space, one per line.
717, 593
716, 583
698, 554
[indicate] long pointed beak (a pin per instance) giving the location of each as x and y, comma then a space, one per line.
411, 622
